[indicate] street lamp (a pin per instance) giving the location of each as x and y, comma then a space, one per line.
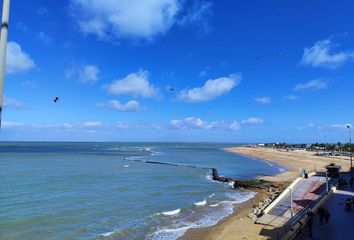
351, 153
3, 43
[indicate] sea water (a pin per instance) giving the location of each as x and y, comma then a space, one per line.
52, 190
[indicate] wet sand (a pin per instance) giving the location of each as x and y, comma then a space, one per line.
238, 225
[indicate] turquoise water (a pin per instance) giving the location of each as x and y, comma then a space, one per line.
108, 191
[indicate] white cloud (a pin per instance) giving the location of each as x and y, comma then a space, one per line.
17, 61
84, 73
143, 19
342, 126
82, 126
197, 123
44, 38
136, 84
290, 97
212, 89
263, 100
131, 106
320, 55
197, 13
125, 18
314, 84
89, 125
252, 120
9, 124
203, 73
13, 103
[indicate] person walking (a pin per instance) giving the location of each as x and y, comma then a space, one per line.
326, 216
310, 223
321, 213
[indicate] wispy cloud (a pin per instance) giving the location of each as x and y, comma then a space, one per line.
17, 61
44, 38
131, 106
341, 126
136, 84
263, 100
198, 123
142, 19
290, 97
12, 103
197, 13
84, 73
314, 84
213, 88
322, 55
252, 120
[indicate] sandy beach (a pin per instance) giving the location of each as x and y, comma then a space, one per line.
238, 225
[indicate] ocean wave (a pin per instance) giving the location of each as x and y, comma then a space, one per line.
201, 203
126, 165
153, 153
231, 184
107, 234
170, 213
168, 233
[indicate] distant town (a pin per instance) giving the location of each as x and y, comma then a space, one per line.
321, 149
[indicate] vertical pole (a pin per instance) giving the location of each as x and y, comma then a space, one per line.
327, 187
3, 43
351, 153
291, 203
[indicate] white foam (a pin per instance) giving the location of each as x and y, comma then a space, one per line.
231, 184
170, 213
107, 234
156, 153
211, 195
126, 166
201, 203
209, 218
176, 229
215, 205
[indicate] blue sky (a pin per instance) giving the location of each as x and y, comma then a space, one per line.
180, 70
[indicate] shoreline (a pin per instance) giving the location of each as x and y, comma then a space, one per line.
238, 223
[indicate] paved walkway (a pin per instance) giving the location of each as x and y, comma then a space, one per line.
341, 222
305, 193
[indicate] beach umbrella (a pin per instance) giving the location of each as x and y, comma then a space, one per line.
3, 44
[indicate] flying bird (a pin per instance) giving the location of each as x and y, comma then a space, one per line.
169, 88
258, 57
56, 99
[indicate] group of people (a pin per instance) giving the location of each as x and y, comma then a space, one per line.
324, 216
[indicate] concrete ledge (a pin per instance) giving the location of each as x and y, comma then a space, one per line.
282, 195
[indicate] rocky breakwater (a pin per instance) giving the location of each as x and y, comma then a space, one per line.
270, 193
269, 190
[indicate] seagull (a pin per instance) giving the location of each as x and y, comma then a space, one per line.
56, 99
170, 88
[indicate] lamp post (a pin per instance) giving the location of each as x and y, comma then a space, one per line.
3, 44
350, 149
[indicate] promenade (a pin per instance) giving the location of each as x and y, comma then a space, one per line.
305, 193
341, 222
